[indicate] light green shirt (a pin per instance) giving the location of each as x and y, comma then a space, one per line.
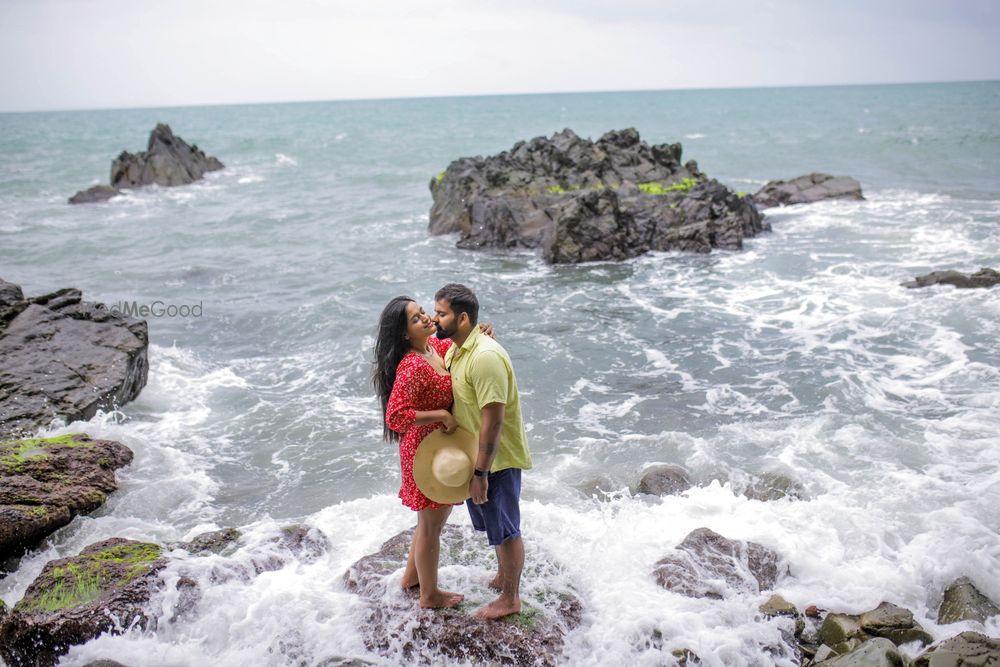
481, 373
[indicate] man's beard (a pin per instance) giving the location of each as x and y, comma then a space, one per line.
444, 335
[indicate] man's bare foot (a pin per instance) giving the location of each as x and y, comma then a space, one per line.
498, 609
496, 583
440, 600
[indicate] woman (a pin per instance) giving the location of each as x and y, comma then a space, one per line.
414, 388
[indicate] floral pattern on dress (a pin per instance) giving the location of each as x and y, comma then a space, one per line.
418, 387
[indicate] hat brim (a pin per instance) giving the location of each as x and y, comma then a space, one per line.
428, 484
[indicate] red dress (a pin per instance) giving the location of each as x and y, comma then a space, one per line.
418, 387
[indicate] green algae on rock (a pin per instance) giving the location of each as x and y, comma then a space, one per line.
48, 481
73, 600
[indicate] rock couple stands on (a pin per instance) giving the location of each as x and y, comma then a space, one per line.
168, 160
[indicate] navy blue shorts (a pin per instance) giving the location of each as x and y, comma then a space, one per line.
500, 515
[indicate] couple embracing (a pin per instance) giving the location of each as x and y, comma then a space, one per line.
450, 399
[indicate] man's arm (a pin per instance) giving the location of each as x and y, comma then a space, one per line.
489, 445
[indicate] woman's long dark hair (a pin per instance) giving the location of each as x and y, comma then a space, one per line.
390, 348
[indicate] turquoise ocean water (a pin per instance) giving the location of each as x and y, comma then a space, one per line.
800, 355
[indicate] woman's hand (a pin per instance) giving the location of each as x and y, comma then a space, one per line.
487, 329
450, 424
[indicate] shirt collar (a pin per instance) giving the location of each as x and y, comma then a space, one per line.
469, 344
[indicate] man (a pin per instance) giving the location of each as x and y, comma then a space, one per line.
487, 403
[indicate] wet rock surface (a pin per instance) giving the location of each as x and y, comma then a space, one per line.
168, 161
93, 195
982, 278
806, 190
963, 602
396, 628
581, 200
969, 649
45, 482
708, 565
63, 357
664, 480
73, 600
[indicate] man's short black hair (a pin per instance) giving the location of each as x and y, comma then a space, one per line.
461, 299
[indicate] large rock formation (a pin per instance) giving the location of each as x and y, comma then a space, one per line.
73, 600
168, 160
807, 189
664, 480
45, 482
982, 278
64, 357
708, 565
582, 200
396, 626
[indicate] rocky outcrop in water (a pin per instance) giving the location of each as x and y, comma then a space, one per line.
108, 585
45, 482
664, 480
168, 160
62, 357
708, 565
982, 278
964, 602
580, 200
98, 193
806, 190
73, 600
969, 649
396, 627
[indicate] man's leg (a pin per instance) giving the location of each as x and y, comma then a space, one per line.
502, 516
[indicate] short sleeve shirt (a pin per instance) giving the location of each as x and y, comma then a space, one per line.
481, 373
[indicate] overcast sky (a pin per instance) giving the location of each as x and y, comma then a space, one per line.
76, 54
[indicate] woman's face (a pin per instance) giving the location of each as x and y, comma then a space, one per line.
419, 325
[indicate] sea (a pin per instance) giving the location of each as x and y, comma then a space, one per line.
800, 355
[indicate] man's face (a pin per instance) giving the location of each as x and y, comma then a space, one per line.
445, 319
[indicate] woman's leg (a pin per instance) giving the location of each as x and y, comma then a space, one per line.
410, 579
426, 553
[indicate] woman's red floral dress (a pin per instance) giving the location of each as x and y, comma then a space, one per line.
418, 387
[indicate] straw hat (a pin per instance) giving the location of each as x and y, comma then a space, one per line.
443, 465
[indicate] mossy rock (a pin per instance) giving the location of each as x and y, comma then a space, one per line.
963, 602
45, 482
73, 600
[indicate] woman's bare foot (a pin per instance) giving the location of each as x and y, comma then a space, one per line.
407, 583
496, 583
440, 600
498, 608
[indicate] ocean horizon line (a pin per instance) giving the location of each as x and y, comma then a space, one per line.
348, 100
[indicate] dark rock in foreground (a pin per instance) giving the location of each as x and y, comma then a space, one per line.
168, 160
45, 482
73, 600
807, 189
969, 649
708, 565
98, 193
580, 200
664, 480
981, 278
396, 627
963, 602
65, 357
